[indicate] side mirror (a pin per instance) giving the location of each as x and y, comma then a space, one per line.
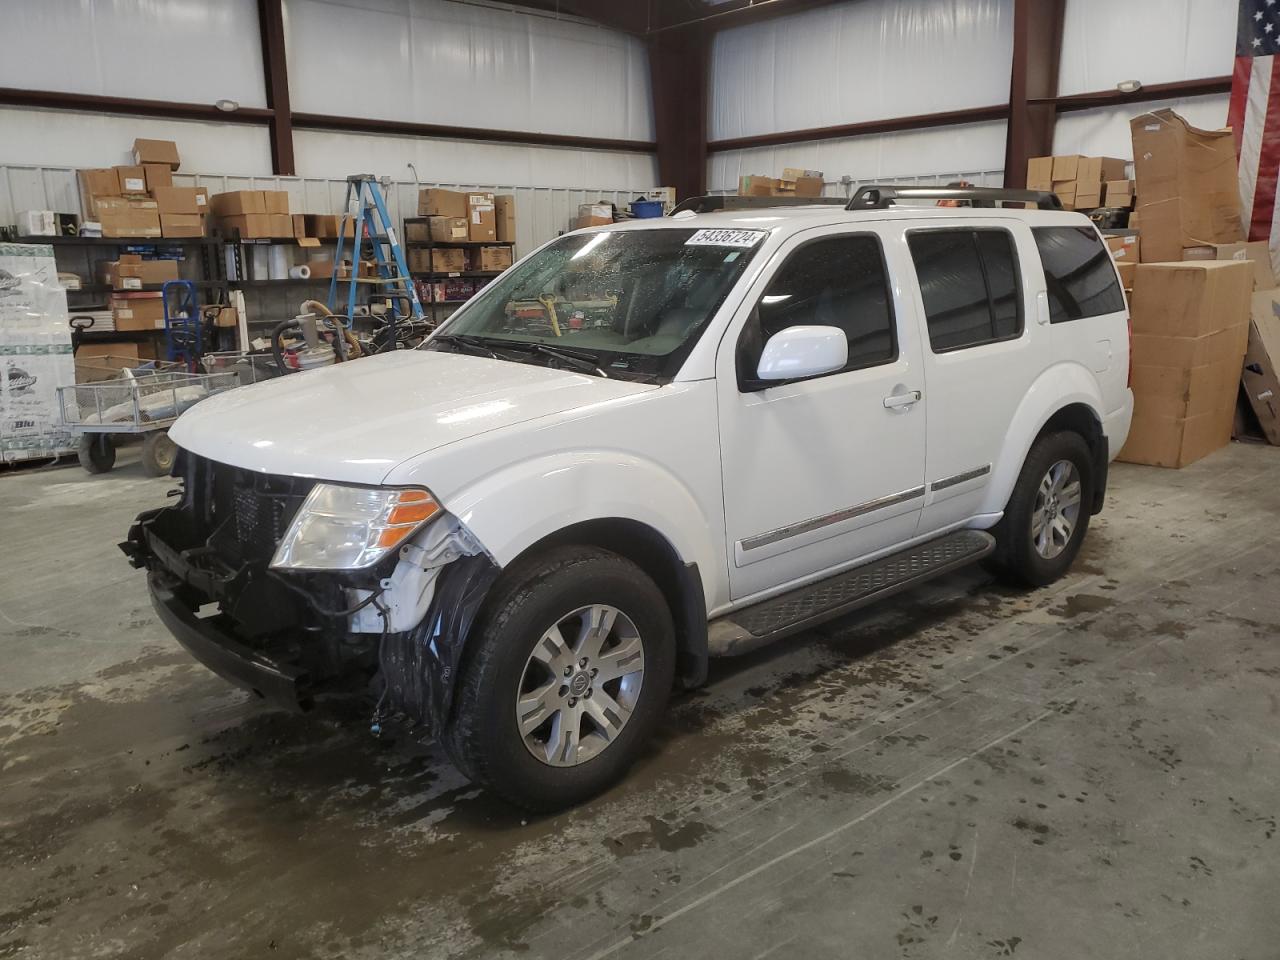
798, 352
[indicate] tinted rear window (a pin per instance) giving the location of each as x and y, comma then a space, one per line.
1079, 273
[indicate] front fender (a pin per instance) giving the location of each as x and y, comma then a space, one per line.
513, 508
1060, 386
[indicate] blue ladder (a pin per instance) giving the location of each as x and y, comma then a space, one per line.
366, 204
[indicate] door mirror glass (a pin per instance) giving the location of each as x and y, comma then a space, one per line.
803, 351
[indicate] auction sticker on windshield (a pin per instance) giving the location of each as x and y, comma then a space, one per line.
724, 238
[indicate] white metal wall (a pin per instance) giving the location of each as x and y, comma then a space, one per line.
436, 61
192, 51
947, 152
1153, 41
852, 62
432, 61
1105, 132
541, 212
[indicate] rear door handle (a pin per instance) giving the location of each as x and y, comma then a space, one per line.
902, 399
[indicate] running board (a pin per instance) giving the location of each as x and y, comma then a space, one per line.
751, 627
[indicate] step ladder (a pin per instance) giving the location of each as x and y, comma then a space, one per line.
366, 204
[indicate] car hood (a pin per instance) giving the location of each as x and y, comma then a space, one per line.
354, 422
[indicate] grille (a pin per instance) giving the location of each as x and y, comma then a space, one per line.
247, 512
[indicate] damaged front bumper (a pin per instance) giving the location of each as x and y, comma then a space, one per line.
398, 629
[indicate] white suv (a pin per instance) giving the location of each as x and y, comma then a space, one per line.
644, 445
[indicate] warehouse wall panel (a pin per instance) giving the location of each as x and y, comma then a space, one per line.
945, 153
327, 154
1153, 41
191, 51
860, 61
73, 138
433, 61
1105, 131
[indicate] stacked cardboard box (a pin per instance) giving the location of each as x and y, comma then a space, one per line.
1190, 325
794, 182
438, 230
490, 258
437, 260
478, 209
1188, 193
593, 215
254, 214
139, 199
1080, 182
132, 272
504, 205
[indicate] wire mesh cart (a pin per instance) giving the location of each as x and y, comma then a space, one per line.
133, 400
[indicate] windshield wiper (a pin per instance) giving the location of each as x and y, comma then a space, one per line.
474, 344
573, 358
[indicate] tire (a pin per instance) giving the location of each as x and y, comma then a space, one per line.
1035, 559
158, 454
512, 665
96, 452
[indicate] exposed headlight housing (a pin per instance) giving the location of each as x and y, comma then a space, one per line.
351, 528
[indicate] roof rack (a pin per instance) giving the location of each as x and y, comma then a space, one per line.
710, 204
882, 196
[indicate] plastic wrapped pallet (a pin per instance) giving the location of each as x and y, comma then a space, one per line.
35, 354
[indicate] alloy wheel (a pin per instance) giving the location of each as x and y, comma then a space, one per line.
580, 685
1057, 509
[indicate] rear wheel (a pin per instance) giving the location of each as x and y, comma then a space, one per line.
566, 678
96, 452
1047, 516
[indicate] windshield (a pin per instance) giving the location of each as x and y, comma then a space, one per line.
633, 301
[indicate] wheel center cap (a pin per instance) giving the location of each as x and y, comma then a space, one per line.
580, 682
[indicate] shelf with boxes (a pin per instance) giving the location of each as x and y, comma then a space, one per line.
458, 243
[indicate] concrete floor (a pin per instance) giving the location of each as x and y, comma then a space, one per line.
1089, 770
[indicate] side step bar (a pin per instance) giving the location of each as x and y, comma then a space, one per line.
752, 627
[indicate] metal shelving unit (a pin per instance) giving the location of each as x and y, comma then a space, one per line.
431, 303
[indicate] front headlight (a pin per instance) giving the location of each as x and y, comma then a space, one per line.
350, 528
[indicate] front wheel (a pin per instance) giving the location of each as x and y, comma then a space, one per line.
566, 677
96, 452
1047, 516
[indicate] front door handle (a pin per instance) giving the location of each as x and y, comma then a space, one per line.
900, 400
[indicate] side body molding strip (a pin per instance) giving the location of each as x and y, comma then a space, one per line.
817, 523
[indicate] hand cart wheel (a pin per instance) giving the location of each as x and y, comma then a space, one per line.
96, 452
158, 453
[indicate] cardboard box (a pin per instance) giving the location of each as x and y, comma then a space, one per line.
156, 151
753, 186
250, 226
131, 180
1127, 272
1183, 392
445, 260
491, 258
130, 221
1255, 253
1261, 376
1099, 170
482, 224
1190, 299
181, 199
320, 269
1183, 353
225, 317
504, 208
37, 223
438, 230
435, 202
326, 226
591, 221
275, 201
281, 225
1188, 194
237, 203
1066, 192
94, 183
181, 225
1175, 441
1123, 249
1120, 193
131, 272
299, 221
138, 311
1040, 173
157, 175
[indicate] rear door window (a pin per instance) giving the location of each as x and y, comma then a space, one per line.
970, 286
1078, 273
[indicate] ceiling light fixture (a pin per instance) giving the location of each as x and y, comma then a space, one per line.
226, 106
1129, 86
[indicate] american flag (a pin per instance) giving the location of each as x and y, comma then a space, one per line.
1254, 115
